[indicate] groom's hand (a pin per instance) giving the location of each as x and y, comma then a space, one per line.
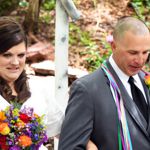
91, 146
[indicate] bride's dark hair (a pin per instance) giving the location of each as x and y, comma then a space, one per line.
11, 34
21, 87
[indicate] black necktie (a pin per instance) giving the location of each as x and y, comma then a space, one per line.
138, 98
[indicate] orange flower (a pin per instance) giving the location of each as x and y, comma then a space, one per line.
2, 116
4, 129
24, 141
147, 80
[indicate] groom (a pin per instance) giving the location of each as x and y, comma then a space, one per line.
102, 105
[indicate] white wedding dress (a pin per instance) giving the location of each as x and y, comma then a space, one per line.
43, 101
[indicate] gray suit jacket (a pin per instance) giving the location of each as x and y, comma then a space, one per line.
92, 114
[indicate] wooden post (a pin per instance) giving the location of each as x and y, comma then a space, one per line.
64, 8
61, 53
61, 57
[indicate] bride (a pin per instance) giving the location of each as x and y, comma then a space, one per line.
16, 87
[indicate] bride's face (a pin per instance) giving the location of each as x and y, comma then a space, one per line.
12, 62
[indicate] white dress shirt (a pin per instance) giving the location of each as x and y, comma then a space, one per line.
124, 78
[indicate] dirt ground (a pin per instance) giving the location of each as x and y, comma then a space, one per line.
98, 19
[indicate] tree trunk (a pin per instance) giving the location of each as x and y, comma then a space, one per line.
32, 16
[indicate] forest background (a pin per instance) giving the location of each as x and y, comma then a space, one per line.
88, 46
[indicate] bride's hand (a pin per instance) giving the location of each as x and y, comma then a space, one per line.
91, 146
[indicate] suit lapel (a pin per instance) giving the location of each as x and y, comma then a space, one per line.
129, 104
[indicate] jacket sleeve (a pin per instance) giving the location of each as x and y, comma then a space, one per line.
78, 123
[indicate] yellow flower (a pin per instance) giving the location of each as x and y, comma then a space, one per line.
36, 116
2, 116
4, 129
20, 124
15, 112
24, 141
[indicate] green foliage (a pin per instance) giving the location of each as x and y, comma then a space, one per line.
6, 6
78, 36
23, 3
45, 18
74, 30
96, 55
49, 5
141, 8
94, 60
146, 67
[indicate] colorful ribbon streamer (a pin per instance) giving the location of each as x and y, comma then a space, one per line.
124, 138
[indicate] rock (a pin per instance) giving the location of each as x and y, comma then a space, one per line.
39, 52
47, 67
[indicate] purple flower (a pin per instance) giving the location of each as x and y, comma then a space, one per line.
45, 138
10, 142
15, 148
15, 118
36, 137
28, 111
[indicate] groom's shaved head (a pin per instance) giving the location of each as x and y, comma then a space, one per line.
131, 24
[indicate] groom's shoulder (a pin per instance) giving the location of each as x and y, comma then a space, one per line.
91, 77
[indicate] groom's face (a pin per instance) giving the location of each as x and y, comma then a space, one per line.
131, 52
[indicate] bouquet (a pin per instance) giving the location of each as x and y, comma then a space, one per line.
21, 129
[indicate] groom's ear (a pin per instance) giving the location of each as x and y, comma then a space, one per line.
113, 45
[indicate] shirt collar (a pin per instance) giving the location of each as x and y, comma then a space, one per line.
122, 76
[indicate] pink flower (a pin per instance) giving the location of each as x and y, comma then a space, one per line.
109, 38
